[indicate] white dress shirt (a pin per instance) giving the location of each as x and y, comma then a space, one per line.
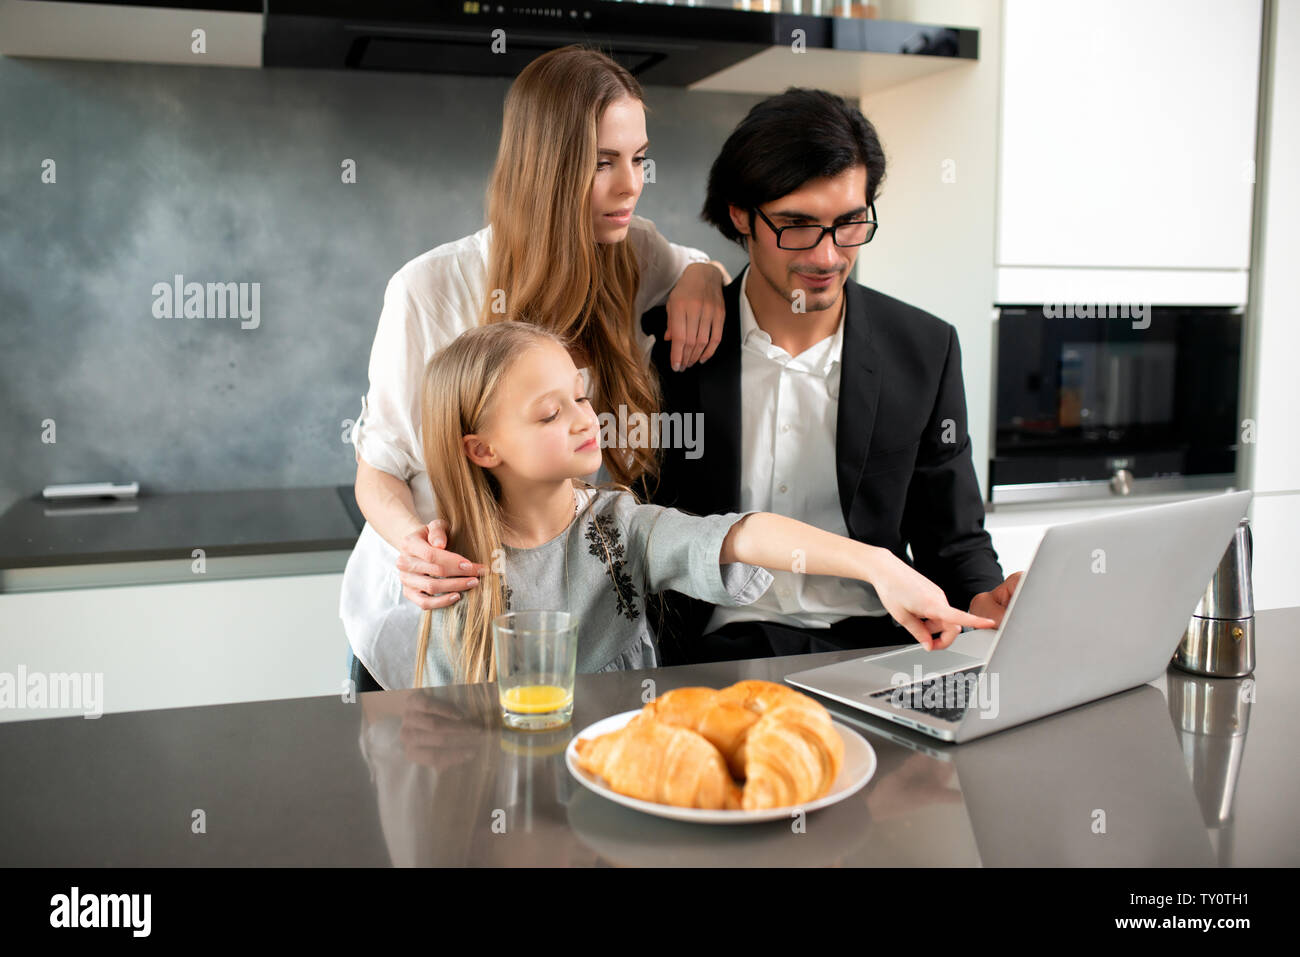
429, 302
787, 458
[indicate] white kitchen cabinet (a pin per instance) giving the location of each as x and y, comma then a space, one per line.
1127, 142
183, 644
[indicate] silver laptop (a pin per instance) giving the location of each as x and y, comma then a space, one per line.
1101, 608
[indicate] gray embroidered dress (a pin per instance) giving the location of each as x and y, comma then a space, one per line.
601, 568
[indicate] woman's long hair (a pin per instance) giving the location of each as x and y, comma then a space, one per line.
546, 267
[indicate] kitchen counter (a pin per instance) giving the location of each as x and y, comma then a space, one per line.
1184, 771
152, 538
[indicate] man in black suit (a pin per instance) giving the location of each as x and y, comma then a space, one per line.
825, 400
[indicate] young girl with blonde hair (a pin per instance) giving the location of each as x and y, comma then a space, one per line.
507, 428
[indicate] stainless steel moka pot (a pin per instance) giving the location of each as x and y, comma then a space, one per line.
1220, 638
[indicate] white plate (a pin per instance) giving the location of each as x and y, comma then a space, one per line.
859, 766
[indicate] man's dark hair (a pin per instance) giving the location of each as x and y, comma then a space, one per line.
782, 143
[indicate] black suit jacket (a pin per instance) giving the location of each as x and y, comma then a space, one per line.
902, 454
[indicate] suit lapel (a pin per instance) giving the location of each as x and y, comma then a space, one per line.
720, 402
859, 396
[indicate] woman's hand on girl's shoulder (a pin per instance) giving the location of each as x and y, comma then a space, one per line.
696, 313
433, 577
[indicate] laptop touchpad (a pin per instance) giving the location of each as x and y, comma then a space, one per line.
929, 662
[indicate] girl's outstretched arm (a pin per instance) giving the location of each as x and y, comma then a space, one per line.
779, 543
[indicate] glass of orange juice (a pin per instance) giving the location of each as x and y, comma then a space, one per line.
536, 652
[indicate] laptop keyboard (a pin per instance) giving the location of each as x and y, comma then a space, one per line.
912, 697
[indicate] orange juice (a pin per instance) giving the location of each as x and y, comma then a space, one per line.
536, 654
536, 699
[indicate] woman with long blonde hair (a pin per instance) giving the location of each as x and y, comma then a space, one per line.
509, 434
562, 249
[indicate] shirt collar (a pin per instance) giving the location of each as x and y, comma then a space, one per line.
749, 328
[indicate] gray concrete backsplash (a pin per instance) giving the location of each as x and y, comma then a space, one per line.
115, 178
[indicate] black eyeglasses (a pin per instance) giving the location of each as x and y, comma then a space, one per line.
855, 233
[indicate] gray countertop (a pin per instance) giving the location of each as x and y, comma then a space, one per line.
152, 538
1184, 771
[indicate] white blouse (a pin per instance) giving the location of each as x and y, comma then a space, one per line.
429, 302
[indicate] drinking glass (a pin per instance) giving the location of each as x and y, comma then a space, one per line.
536, 652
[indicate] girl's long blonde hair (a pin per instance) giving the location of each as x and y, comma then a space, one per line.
546, 267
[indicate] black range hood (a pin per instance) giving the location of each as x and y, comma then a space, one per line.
658, 43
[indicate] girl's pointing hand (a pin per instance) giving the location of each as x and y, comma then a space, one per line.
920, 606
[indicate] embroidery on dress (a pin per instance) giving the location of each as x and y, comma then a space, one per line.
509, 592
600, 531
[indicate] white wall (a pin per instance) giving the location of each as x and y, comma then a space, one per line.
935, 244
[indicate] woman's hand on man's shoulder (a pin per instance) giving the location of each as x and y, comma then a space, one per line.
696, 313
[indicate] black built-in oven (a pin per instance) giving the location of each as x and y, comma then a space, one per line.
1096, 400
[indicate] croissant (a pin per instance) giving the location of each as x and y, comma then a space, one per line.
723, 723
793, 754
659, 762
779, 741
